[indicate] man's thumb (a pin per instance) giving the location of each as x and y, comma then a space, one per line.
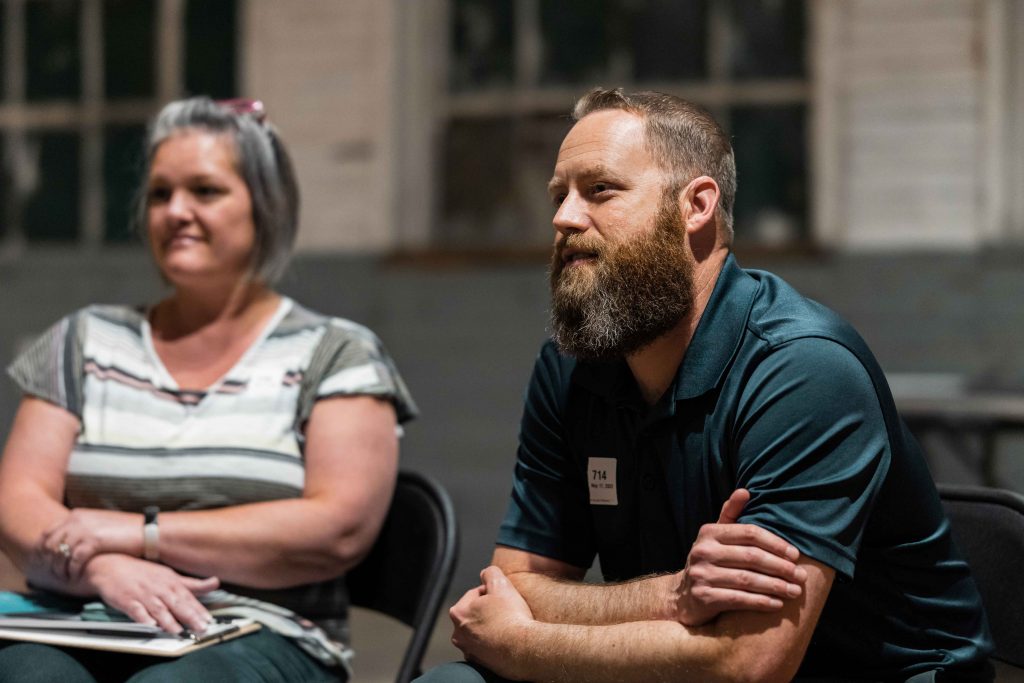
494, 579
733, 508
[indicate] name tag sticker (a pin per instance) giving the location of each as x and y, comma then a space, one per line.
601, 478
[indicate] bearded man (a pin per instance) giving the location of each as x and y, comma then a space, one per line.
726, 448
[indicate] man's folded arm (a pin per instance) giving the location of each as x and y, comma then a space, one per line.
737, 646
555, 594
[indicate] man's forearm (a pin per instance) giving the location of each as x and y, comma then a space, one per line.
622, 653
558, 601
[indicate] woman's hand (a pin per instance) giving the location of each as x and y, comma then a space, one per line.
151, 593
85, 533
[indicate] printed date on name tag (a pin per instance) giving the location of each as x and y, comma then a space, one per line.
601, 481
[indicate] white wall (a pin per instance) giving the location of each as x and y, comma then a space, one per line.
905, 105
326, 71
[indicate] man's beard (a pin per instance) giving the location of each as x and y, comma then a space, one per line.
635, 291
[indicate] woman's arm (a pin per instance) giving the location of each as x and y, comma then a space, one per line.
32, 471
351, 464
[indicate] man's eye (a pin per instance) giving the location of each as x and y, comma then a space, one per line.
557, 199
598, 188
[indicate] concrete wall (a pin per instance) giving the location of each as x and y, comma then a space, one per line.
465, 338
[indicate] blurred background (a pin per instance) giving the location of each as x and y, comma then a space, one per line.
880, 148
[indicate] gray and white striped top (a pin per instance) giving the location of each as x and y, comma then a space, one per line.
143, 441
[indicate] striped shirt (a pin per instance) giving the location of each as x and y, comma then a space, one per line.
144, 441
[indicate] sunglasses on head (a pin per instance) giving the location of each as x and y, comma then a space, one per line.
245, 106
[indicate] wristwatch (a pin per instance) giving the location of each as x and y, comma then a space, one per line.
151, 534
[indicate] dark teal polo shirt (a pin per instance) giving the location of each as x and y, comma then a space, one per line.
775, 394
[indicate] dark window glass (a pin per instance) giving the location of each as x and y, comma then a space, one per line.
644, 40
51, 210
128, 48
210, 48
666, 38
771, 167
3, 61
482, 44
52, 49
495, 174
768, 38
122, 170
576, 40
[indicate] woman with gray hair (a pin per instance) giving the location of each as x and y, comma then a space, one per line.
223, 438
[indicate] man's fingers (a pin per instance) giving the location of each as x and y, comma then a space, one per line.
750, 558
756, 537
725, 599
752, 582
732, 508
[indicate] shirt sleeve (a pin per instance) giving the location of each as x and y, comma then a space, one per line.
351, 361
812, 448
51, 367
548, 512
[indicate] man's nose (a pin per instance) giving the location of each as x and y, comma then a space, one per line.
571, 215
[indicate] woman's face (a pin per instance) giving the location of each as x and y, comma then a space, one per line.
199, 211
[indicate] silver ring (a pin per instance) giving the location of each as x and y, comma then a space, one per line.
65, 550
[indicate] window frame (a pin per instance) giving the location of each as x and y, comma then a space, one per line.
527, 97
87, 117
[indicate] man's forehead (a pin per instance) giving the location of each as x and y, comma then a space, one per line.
608, 137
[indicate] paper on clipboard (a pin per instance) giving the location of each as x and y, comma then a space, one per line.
118, 636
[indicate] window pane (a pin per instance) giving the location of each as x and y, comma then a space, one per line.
576, 42
51, 212
210, 48
496, 173
52, 50
3, 61
771, 166
482, 52
767, 38
667, 39
122, 169
128, 48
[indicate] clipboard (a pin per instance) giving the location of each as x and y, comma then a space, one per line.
70, 630
41, 617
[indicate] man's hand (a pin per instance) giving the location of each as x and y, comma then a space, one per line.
736, 567
486, 619
85, 533
150, 593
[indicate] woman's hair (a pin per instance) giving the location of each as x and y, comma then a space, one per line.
261, 160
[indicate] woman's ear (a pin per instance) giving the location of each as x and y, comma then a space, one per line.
698, 202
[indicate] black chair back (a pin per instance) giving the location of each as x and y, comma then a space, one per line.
409, 569
988, 526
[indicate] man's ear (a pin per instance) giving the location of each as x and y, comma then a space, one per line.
698, 202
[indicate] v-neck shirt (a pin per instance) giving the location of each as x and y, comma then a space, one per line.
144, 441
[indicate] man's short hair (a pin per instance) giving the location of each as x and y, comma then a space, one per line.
263, 163
681, 136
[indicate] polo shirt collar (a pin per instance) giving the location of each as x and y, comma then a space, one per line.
716, 339
718, 333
